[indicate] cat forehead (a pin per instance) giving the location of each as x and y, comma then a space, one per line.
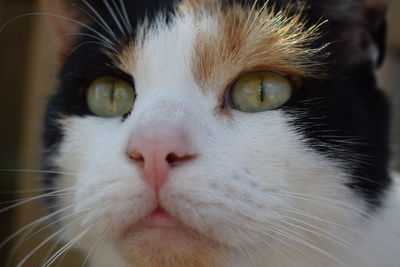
215, 42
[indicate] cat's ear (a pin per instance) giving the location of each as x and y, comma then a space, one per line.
66, 19
359, 26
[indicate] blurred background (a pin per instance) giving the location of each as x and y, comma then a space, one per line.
27, 73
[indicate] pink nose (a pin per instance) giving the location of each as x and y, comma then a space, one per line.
157, 156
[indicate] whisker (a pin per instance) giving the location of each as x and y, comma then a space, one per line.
38, 171
389, 250
38, 221
324, 234
51, 250
104, 38
81, 34
19, 200
312, 216
85, 43
305, 243
274, 249
328, 202
128, 23
98, 242
259, 233
29, 236
296, 239
33, 251
248, 255
103, 23
112, 12
292, 247
358, 233
27, 200
41, 189
65, 248
122, 19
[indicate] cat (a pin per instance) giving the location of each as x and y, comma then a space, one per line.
221, 133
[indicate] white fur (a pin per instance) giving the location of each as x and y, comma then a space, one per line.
252, 169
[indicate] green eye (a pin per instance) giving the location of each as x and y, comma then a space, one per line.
260, 91
110, 97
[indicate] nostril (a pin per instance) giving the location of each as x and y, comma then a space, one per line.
173, 159
136, 156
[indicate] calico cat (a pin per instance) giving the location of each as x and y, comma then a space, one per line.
221, 133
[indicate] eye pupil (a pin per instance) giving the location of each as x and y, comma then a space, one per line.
113, 93
262, 89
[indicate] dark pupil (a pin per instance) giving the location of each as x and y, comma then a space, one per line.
112, 92
262, 89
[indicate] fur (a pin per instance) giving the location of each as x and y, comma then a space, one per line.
303, 185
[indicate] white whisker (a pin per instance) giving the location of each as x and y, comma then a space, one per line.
33, 251
104, 38
116, 20
38, 171
81, 34
100, 22
85, 43
323, 234
121, 17
97, 243
38, 221
274, 249
27, 200
29, 235
248, 254
41, 189
312, 216
326, 202
65, 248
51, 250
306, 243
128, 23
292, 247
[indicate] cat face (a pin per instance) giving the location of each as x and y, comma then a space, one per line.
186, 176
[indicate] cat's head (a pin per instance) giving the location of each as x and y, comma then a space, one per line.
190, 131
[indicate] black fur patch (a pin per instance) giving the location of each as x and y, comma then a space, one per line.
346, 118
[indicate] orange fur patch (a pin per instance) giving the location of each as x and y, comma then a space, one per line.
125, 58
171, 248
243, 40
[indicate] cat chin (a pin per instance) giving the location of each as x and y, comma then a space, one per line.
168, 246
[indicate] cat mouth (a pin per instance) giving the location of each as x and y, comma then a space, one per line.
160, 238
160, 218
159, 229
